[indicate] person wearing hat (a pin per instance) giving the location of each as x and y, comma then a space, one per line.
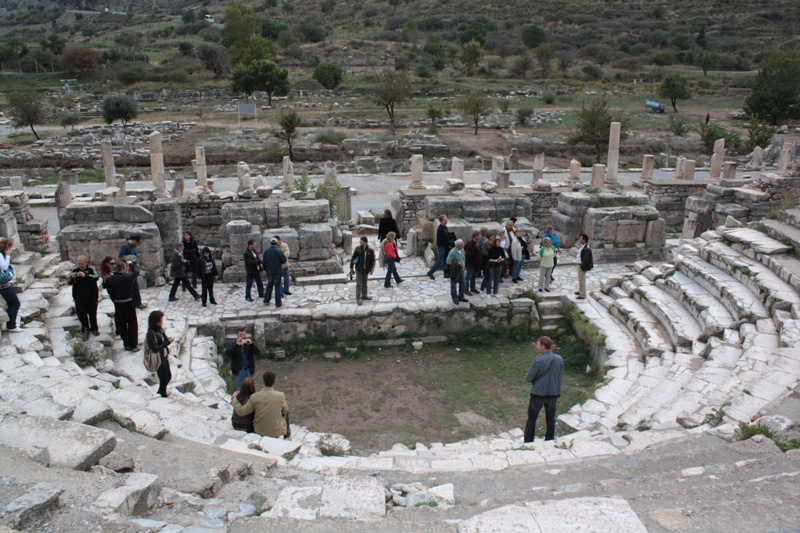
273, 266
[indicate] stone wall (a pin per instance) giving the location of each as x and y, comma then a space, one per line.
569, 222
781, 189
100, 239
33, 234
625, 227
669, 198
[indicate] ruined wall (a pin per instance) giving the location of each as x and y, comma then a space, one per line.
669, 198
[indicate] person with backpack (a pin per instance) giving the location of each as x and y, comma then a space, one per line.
158, 343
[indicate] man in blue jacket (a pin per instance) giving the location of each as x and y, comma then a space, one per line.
273, 267
442, 243
545, 376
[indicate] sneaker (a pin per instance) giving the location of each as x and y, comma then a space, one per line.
173, 299
366, 297
246, 300
431, 276
14, 330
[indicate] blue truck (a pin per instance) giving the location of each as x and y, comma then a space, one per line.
656, 106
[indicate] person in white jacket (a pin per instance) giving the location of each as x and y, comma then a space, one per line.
518, 248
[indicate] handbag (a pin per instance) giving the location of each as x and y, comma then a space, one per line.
6, 275
152, 360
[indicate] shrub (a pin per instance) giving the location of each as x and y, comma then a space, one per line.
679, 126
549, 97
88, 353
662, 58
423, 72
533, 36
592, 72
759, 134
709, 133
523, 115
328, 75
69, 118
330, 137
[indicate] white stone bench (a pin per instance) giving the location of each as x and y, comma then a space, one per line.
707, 309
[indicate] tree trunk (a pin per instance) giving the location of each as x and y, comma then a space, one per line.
291, 155
269, 99
34, 133
673, 100
476, 125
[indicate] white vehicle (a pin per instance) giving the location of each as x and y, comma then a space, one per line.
210, 19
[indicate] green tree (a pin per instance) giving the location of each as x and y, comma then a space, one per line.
706, 60
257, 48
776, 88
241, 26
328, 75
675, 87
327, 6
393, 88
759, 134
564, 59
521, 66
25, 108
80, 58
69, 118
474, 105
186, 48
476, 31
544, 55
471, 56
288, 122
261, 75
702, 40
129, 40
594, 124
709, 133
54, 44
434, 113
395, 3
533, 36
118, 107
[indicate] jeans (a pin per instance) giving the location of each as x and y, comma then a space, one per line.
555, 264
361, 284
460, 281
208, 288
126, 323
535, 405
164, 377
274, 280
249, 284
440, 257
186, 285
517, 268
239, 377
10, 296
86, 309
391, 270
472, 274
493, 278
287, 278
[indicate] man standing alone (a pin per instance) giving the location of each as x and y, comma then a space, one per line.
84, 291
545, 376
273, 266
363, 264
252, 268
442, 243
585, 264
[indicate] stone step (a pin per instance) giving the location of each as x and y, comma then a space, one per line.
707, 310
135, 496
27, 258
791, 216
549, 320
550, 307
755, 240
781, 231
679, 323
323, 279
652, 337
24, 277
39, 502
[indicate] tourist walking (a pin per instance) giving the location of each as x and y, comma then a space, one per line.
391, 257
363, 264
387, 224
85, 292
472, 258
7, 290
242, 353
456, 262
177, 272
268, 407
287, 276
550, 233
252, 269
546, 256
120, 289
191, 252
272, 263
585, 264
208, 275
129, 252
545, 375
442, 243
244, 423
495, 259
158, 342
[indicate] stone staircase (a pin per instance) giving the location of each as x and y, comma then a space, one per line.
550, 307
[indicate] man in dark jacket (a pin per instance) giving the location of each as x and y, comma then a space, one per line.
273, 266
442, 244
177, 271
120, 288
252, 267
545, 376
130, 248
242, 354
472, 255
585, 264
363, 263
84, 291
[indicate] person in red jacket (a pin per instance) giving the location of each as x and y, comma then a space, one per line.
390, 256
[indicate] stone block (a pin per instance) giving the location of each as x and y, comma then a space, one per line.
365, 217
287, 235
504, 206
478, 208
252, 212
569, 228
443, 205
459, 226
522, 207
271, 211
575, 203
238, 227
238, 243
315, 241
303, 212
630, 231
132, 213
656, 235
38, 502
134, 497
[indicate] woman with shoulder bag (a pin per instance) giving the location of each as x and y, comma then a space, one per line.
158, 342
7, 290
391, 257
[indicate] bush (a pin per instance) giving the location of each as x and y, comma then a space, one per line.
592, 72
330, 137
759, 134
679, 126
709, 133
503, 105
662, 58
523, 115
311, 33
132, 74
549, 97
423, 72
69, 118
533, 36
328, 75
88, 353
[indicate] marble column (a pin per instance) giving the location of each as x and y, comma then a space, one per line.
729, 170
15, 182
288, 174
201, 170
457, 169
513, 160
243, 173
679, 166
108, 162
157, 163
498, 164
613, 154
538, 167
757, 157
786, 157
574, 171
647, 166
716, 159
598, 176
688, 169
119, 183
330, 173
416, 172
63, 199
178, 187
345, 213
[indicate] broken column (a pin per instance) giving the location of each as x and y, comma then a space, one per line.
503, 179
498, 164
288, 173
63, 199
513, 160
457, 169
416, 172
679, 164
178, 187
345, 213
538, 167
574, 171
157, 163
786, 156
613, 155
15, 182
201, 170
729, 170
243, 173
756, 157
108, 162
598, 176
647, 166
330, 173
688, 169
119, 183
716, 159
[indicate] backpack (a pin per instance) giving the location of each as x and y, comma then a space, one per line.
152, 360
6, 276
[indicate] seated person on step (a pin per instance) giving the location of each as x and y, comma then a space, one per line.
269, 408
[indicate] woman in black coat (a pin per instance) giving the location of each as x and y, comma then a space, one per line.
191, 251
158, 342
208, 275
244, 423
387, 224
